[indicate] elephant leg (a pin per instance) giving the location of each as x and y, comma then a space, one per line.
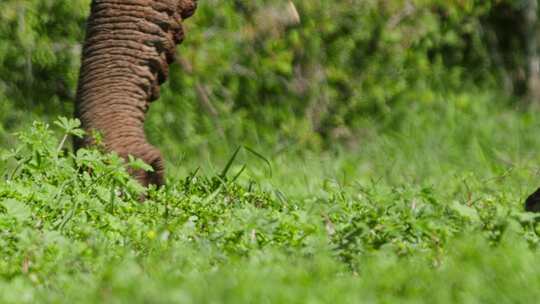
126, 55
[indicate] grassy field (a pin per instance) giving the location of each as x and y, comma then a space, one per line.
429, 213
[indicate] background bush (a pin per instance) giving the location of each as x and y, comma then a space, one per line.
251, 66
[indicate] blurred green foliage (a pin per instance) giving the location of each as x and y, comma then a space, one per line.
418, 197
39, 53
325, 75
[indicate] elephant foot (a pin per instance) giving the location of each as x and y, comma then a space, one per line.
152, 157
157, 177
532, 204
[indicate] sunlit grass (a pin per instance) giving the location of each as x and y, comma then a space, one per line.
430, 211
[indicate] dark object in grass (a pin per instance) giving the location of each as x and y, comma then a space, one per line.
532, 204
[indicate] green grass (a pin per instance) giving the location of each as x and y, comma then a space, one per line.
428, 211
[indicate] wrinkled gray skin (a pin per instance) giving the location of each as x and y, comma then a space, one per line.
126, 55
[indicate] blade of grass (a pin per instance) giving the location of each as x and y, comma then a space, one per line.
260, 156
229, 163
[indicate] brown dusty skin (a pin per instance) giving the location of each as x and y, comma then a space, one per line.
128, 48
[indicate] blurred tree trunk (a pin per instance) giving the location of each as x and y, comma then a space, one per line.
533, 60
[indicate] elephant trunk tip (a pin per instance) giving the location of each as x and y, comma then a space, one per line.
187, 8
